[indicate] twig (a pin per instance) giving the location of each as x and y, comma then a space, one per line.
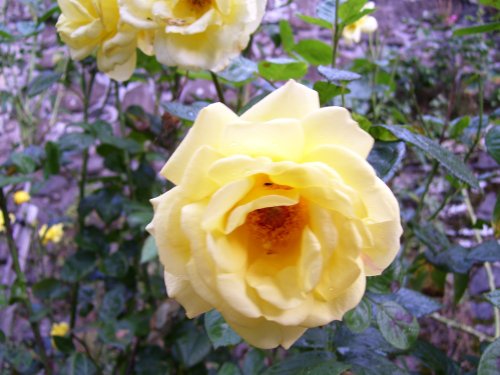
336, 34
218, 87
463, 327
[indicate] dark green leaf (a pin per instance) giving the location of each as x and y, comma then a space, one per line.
416, 303
151, 360
359, 318
113, 304
314, 51
75, 141
315, 21
185, 112
490, 360
48, 13
42, 83
219, 332
386, 157
460, 284
372, 363
78, 266
486, 28
149, 250
52, 158
254, 362
50, 288
286, 33
24, 163
79, 364
229, 368
193, 346
458, 126
12, 180
332, 74
314, 338
452, 163
125, 144
493, 143
115, 265
282, 69
239, 71
486, 252
327, 91
397, 325
302, 364
64, 344
493, 297
434, 359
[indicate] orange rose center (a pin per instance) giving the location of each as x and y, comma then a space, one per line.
275, 227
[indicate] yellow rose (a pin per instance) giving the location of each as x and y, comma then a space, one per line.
21, 197
277, 218
196, 34
88, 26
366, 24
54, 233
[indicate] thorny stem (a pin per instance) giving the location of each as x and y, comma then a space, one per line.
487, 265
218, 87
454, 324
336, 34
21, 278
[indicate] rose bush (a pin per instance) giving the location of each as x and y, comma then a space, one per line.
90, 26
276, 219
196, 34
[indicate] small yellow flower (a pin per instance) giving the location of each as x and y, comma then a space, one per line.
21, 197
53, 233
366, 24
2, 221
59, 330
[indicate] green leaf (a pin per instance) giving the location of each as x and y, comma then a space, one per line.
149, 250
254, 362
493, 143
50, 288
219, 332
282, 69
24, 163
490, 360
115, 265
310, 363
327, 91
349, 9
42, 83
151, 360
79, 364
434, 359
286, 33
185, 112
193, 346
75, 141
416, 303
451, 162
397, 325
240, 71
386, 157
493, 297
314, 51
12, 180
486, 252
315, 21
113, 304
78, 266
486, 28
229, 368
372, 363
64, 344
359, 318
458, 126
491, 3
332, 74
52, 158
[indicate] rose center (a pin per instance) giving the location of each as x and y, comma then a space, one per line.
274, 227
199, 6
